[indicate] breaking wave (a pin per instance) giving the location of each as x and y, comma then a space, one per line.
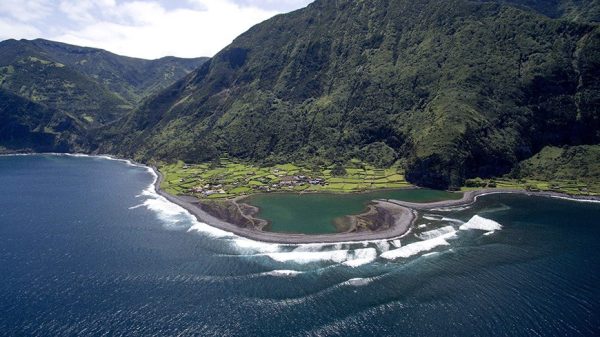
361, 257
432, 234
481, 223
359, 281
337, 256
594, 201
282, 273
419, 246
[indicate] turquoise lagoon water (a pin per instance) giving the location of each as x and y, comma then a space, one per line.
313, 213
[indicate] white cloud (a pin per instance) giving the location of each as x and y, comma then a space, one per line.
24, 10
147, 29
279, 5
9, 29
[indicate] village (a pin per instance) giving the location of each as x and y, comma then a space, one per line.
280, 182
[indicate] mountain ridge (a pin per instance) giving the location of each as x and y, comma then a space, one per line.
88, 87
457, 89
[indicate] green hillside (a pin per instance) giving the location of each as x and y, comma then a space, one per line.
574, 10
28, 126
456, 89
29, 72
569, 163
46, 84
131, 78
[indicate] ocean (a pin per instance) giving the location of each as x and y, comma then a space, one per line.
87, 248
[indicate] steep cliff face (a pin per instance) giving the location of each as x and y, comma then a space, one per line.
457, 88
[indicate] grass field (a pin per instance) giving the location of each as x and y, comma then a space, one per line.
230, 179
561, 186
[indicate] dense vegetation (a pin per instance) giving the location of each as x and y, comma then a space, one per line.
53, 93
454, 89
571, 170
132, 79
29, 126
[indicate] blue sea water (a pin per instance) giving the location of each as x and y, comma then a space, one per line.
87, 248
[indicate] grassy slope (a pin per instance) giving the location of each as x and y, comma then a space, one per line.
572, 170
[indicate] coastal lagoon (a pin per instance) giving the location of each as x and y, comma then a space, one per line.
314, 213
88, 248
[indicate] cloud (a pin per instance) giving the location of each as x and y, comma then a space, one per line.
276, 5
24, 11
10, 29
148, 29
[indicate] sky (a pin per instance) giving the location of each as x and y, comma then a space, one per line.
139, 28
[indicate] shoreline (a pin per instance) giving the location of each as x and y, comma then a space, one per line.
401, 214
404, 215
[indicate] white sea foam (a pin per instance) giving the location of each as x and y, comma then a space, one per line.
282, 273
250, 246
361, 257
432, 217
382, 246
418, 247
172, 215
203, 228
500, 208
481, 223
432, 234
337, 256
315, 247
577, 199
357, 282
451, 208
452, 220
422, 226
397, 243
358, 262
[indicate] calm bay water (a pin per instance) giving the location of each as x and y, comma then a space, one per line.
313, 213
87, 249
